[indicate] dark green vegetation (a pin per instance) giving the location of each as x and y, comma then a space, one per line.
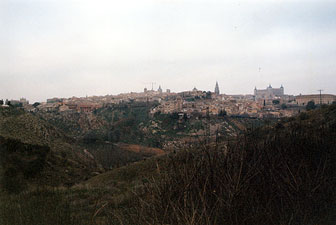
283, 173
310, 105
19, 163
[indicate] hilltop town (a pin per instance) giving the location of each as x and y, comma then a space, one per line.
124, 157
263, 103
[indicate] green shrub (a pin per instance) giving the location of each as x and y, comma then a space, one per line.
310, 105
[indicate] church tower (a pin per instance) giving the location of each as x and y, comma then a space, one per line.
160, 89
217, 89
282, 90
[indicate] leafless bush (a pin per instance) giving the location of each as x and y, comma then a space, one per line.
284, 175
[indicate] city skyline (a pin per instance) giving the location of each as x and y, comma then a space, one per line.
159, 89
156, 86
76, 48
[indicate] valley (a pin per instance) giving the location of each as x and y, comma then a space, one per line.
121, 166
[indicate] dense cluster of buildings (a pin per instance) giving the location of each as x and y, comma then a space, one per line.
262, 103
20, 103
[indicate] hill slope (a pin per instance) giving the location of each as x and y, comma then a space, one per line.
279, 174
65, 163
69, 160
276, 174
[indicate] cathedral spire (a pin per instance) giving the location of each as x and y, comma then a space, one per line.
217, 89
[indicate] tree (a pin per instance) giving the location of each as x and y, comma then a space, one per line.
174, 116
1, 102
36, 104
310, 105
283, 106
222, 113
208, 95
157, 113
276, 102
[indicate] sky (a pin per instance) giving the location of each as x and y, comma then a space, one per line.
65, 48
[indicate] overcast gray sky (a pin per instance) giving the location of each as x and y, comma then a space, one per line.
70, 48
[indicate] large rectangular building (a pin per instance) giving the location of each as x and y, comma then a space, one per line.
328, 99
269, 93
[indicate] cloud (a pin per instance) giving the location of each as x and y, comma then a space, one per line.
81, 47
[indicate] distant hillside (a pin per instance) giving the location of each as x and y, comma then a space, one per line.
69, 159
16, 123
65, 163
131, 123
